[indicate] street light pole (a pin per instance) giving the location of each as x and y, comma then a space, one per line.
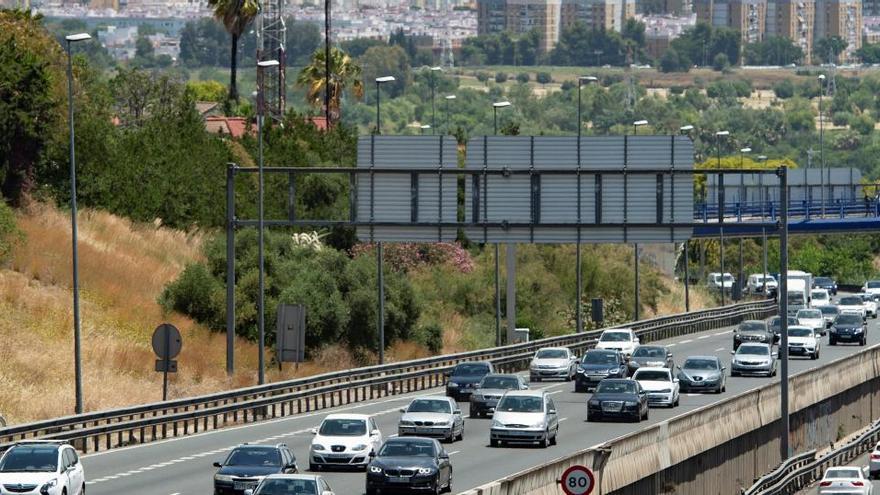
495, 107
433, 85
511, 264
380, 80
822, 143
77, 329
718, 136
448, 99
579, 319
685, 131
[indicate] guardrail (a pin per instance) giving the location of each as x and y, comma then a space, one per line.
773, 477
800, 478
140, 424
706, 212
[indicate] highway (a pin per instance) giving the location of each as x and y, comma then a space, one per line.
861, 461
183, 466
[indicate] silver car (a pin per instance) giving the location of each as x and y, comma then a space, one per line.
753, 359
525, 416
489, 392
436, 416
553, 362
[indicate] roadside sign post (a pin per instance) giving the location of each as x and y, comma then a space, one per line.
577, 480
167, 343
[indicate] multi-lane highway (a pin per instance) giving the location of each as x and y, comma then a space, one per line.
182, 466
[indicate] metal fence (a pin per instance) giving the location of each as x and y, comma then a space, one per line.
146, 423
773, 477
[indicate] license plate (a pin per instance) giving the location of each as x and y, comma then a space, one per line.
423, 430
242, 485
398, 479
613, 407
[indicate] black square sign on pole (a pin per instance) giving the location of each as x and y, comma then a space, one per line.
290, 331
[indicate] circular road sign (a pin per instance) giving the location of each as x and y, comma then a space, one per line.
175, 342
577, 480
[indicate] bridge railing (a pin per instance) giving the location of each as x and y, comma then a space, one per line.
145, 423
773, 477
769, 210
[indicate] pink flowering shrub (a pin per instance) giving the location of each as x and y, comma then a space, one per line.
410, 256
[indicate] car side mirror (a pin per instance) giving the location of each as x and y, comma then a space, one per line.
217, 465
476, 386
723, 368
444, 456
327, 493
732, 352
774, 354
551, 411
314, 431
447, 374
675, 380
457, 411
670, 355
248, 492
402, 409
374, 433
372, 454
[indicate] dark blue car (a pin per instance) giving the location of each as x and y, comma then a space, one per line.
848, 327
597, 365
617, 398
463, 379
247, 465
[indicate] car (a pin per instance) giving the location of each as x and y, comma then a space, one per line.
618, 398
826, 283
829, 313
803, 341
753, 359
848, 327
811, 318
410, 464
619, 339
661, 385
845, 480
461, 381
874, 463
489, 392
819, 297
775, 326
752, 331
304, 484
246, 466
432, 417
597, 365
344, 441
525, 416
869, 303
852, 304
760, 284
700, 373
717, 280
553, 362
872, 287
45, 467
651, 356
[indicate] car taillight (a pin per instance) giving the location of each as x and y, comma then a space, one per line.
857, 483
875, 456
825, 483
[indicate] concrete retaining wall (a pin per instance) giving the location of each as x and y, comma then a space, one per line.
722, 447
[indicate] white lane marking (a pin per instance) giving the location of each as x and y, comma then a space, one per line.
701, 337
688, 341
454, 452
556, 392
670, 345
176, 493
562, 419
719, 349
723, 333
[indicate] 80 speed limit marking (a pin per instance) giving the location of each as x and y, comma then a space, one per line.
577, 480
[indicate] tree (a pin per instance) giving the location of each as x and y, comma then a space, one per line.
235, 15
774, 50
784, 89
500, 77
544, 77
522, 77
303, 38
344, 74
720, 62
209, 90
381, 61
672, 61
829, 49
869, 53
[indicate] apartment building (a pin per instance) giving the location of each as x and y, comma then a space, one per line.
795, 20
609, 15
746, 16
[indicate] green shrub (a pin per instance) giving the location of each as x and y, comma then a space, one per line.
522, 77
10, 234
500, 77
431, 336
194, 293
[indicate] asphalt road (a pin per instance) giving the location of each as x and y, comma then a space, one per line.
183, 466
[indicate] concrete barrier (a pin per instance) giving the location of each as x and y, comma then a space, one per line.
723, 447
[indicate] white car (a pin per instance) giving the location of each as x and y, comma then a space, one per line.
45, 467
802, 341
756, 282
812, 318
525, 416
874, 463
292, 483
662, 387
846, 479
852, 304
344, 440
717, 281
553, 362
872, 287
619, 339
869, 303
437, 417
819, 297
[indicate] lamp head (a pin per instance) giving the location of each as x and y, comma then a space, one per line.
73, 38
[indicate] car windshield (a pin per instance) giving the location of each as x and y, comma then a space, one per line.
521, 403
874, 284
430, 406
809, 314
800, 332
615, 337
600, 357
610, 387
848, 319
851, 301
728, 278
652, 376
842, 473
552, 354
407, 448
470, 369
654, 352
754, 350
500, 382
343, 427
768, 278
752, 326
819, 295
796, 297
829, 310
822, 281
254, 457
278, 486
28, 458
700, 364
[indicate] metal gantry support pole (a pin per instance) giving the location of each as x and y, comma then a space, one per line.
739, 281
783, 310
764, 245
721, 245
77, 329
230, 269
498, 341
638, 302
511, 292
261, 329
687, 283
381, 323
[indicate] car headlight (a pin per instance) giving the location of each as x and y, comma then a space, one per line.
360, 446
426, 471
317, 446
630, 403
580, 370
540, 424
859, 330
497, 424
452, 385
665, 391
405, 423
443, 423
594, 402
222, 477
375, 469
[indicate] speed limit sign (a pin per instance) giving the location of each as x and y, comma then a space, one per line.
577, 480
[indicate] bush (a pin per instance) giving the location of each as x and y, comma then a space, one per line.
720, 62
483, 77
863, 124
676, 90
568, 85
10, 234
430, 336
500, 77
784, 89
522, 77
841, 118
195, 293
544, 77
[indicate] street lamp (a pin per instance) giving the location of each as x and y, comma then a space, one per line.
581, 81
718, 136
638, 124
425, 127
448, 99
822, 142
495, 107
261, 110
380, 80
580, 124
77, 347
597, 53
742, 152
433, 85
686, 129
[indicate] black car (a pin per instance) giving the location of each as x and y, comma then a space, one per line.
826, 283
656, 356
618, 398
410, 465
753, 331
463, 379
775, 326
247, 465
597, 365
702, 373
489, 392
848, 327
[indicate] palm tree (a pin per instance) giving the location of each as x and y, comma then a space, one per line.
235, 15
344, 74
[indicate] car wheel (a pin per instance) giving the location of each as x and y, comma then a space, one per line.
437, 490
371, 491
578, 389
460, 434
449, 484
82, 491
863, 341
590, 418
832, 341
553, 439
473, 413
493, 443
535, 379
734, 373
314, 467
677, 399
546, 441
